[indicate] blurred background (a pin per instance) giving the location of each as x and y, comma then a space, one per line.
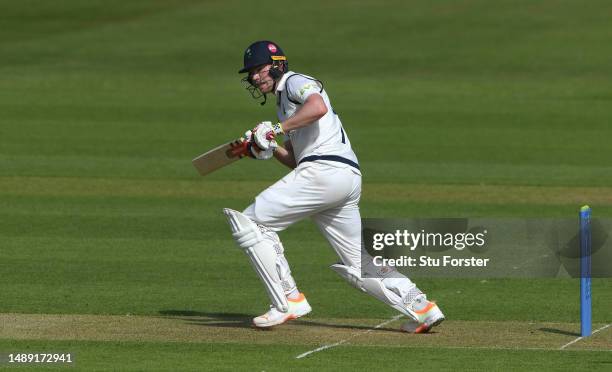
444, 92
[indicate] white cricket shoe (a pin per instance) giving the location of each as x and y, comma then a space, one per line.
297, 308
428, 315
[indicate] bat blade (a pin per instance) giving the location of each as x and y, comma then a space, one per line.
220, 156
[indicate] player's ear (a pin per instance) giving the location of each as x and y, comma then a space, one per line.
275, 72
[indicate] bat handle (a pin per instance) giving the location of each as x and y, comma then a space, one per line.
240, 147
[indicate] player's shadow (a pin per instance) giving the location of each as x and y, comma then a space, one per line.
312, 323
240, 320
231, 320
559, 332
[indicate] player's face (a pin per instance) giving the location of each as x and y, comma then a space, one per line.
260, 76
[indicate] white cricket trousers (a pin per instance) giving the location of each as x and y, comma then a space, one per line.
326, 191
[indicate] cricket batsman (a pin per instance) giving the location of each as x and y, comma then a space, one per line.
324, 184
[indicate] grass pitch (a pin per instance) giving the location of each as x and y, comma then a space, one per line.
114, 249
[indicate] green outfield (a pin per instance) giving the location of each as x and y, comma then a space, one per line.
114, 249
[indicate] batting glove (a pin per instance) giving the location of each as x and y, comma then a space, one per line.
255, 151
265, 134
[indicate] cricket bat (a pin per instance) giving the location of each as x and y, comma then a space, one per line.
220, 156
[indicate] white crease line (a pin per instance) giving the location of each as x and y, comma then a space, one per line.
324, 347
523, 264
580, 338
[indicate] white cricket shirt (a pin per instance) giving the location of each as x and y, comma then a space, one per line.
324, 137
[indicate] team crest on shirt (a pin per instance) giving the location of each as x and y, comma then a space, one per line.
307, 87
272, 48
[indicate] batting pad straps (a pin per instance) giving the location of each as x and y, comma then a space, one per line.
263, 255
375, 287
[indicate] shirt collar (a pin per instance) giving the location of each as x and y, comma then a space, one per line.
280, 86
